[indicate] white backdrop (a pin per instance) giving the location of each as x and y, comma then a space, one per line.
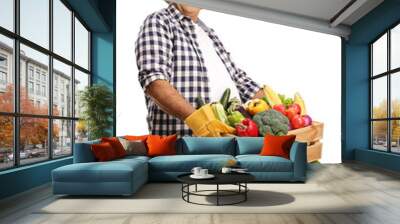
288, 59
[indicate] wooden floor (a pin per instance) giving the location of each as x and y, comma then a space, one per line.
379, 189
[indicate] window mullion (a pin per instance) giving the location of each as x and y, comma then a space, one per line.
389, 101
16, 83
73, 82
50, 81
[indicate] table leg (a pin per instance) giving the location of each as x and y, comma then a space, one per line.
217, 194
245, 193
195, 188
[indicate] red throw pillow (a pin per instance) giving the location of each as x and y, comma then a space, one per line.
136, 138
161, 145
116, 145
277, 145
103, 152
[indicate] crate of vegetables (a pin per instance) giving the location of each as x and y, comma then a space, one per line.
274, 114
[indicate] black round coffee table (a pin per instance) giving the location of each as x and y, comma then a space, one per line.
238, 179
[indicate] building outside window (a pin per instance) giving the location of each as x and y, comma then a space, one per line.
30, 87
385, 91
3, 72
59, 127
30, 72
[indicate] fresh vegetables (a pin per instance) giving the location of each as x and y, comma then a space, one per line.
286, 101
271, 122
235, 117
274, 114
297, 121
233, 105
299, 100
307, 120
272, 98
281, 108
247, 128
296, 108
199, 102
219, 112
225, 98
256, 106
290, 113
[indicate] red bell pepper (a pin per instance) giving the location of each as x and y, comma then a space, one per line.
247, 128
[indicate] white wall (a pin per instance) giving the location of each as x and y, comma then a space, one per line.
288, 59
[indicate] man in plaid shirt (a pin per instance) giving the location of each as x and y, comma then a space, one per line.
172, 70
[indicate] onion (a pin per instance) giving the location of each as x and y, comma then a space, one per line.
307, 120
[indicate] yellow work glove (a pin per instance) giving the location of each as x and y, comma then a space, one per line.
204, 123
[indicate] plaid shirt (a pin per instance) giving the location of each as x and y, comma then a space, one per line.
166, 49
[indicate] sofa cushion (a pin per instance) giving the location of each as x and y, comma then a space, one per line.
161, 145
277, 145
116, 145
257, 163
185, 163
249, 145
103, 152
112, 171
206, 145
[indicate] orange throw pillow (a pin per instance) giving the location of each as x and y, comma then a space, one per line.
136, 138
277, 145
161, 145
116, 145
103, 152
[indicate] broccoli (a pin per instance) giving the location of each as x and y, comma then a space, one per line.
271, 122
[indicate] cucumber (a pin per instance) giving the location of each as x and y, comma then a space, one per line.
225, 98
199, 102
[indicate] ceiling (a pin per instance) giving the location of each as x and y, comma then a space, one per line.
327, 16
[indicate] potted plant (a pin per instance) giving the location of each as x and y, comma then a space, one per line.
97, 106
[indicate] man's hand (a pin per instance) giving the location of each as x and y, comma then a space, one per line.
169, 99
204, 123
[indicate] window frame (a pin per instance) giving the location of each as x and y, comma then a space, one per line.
388, 74
16, 114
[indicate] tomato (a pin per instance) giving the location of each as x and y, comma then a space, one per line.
281, 108
290, 113
296, 107
297, 121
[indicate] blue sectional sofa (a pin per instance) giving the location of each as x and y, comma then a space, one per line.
125, 176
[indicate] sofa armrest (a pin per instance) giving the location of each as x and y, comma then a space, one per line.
298, 155
83, 152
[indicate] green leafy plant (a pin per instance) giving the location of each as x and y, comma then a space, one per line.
97, 106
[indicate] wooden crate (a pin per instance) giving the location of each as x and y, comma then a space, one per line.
312, 136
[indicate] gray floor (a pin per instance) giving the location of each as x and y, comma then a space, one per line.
351, 181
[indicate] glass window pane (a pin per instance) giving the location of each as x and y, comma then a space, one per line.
81, 45
34, 97
62, 138
35, 21
395, 94
62, 89
395, 138
81, 82
81, 131
395, 47
62, 29
379, 97
6, 74
6, 142
379, 55
33, 140
7, 14
379, 135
